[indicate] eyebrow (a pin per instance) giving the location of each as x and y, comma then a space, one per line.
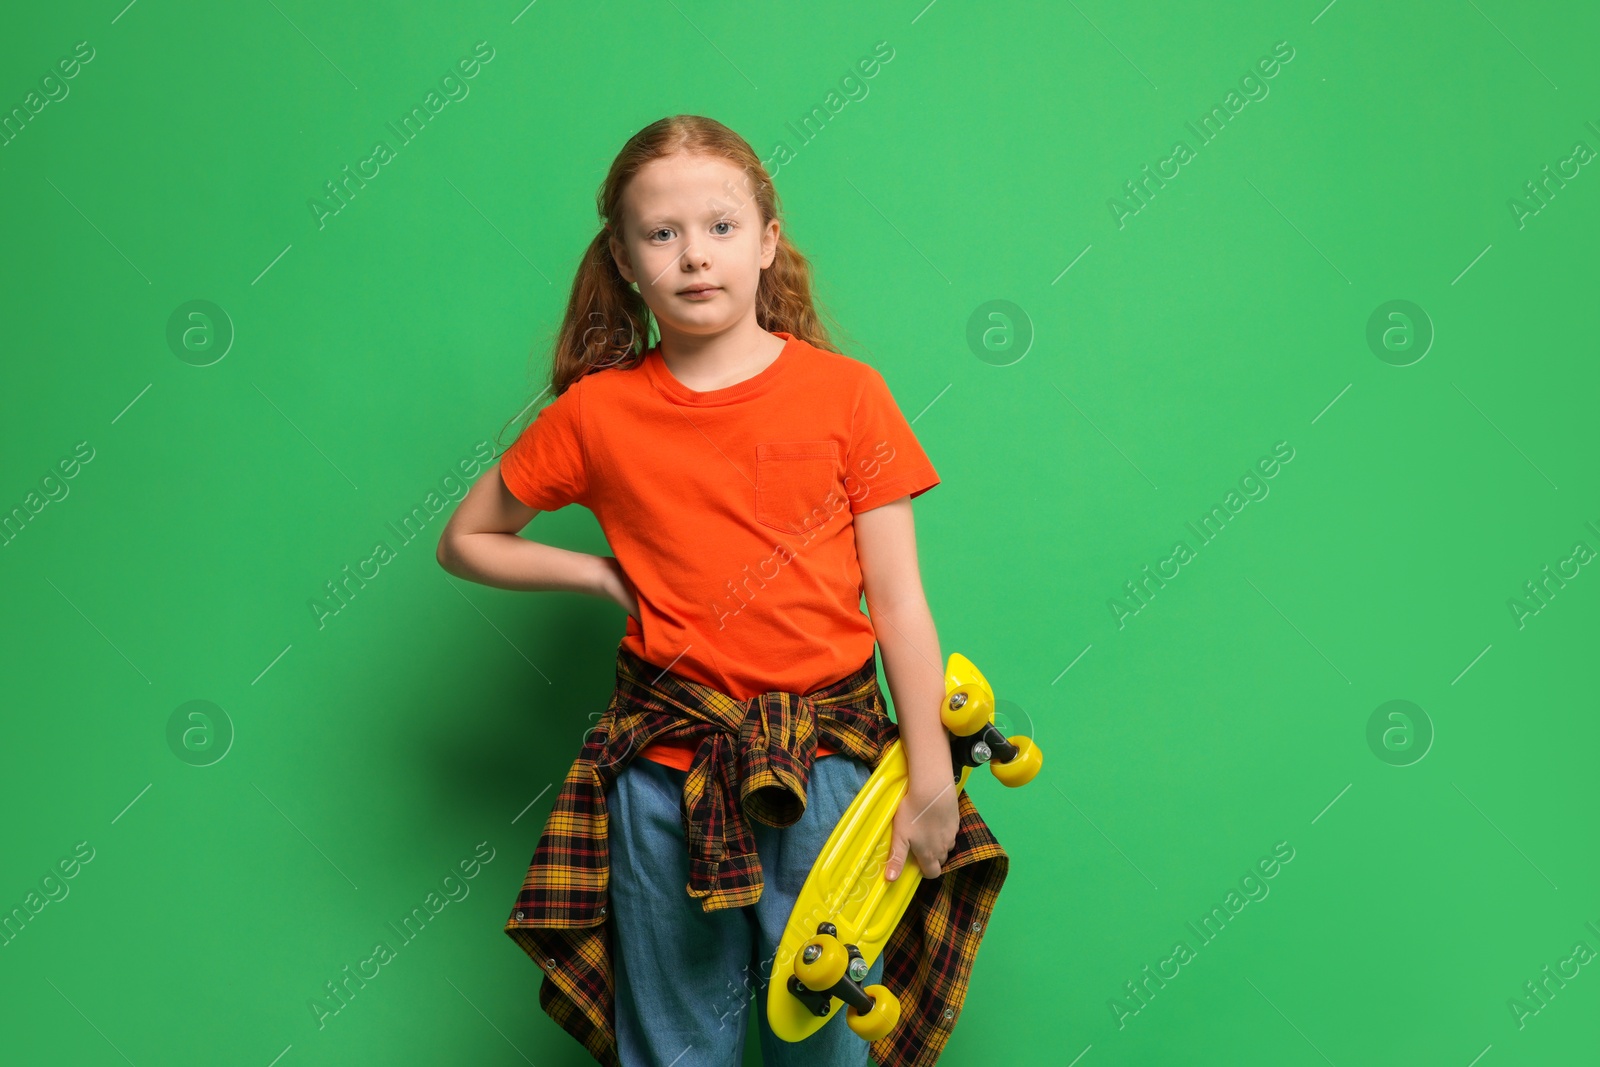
666, 217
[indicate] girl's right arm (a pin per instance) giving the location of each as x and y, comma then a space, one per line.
481, 544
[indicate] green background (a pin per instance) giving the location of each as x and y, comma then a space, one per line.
366, 756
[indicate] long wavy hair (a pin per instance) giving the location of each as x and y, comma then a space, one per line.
608, 324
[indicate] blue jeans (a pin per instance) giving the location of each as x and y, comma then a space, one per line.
685, 977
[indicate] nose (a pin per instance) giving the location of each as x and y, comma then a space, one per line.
692, 255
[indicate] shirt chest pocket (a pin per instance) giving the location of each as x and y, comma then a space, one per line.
795, 484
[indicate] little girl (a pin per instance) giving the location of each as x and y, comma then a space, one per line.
753, 482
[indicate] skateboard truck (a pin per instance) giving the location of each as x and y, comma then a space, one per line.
828, 968
974, 740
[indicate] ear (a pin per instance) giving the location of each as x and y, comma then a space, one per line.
769, 243
619, 253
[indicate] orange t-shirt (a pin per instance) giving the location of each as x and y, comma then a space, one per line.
731, 511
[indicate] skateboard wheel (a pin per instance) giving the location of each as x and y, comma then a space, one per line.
967, 708
827, 965
878, 1020
1019, 771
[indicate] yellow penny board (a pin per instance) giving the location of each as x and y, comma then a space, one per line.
847, 886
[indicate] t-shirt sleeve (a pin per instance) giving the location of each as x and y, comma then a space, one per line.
886, 461
544, 467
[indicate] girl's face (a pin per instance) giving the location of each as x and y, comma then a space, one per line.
689, 223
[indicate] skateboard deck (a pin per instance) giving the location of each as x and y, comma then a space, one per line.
847, 909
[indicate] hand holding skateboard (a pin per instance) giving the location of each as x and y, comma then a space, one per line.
924, 829
847, 908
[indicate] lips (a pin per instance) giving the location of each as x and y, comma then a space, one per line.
698, 289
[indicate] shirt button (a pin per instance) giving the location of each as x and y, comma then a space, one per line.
551, 963
977, 928
519, 914
602, 909
949, 1013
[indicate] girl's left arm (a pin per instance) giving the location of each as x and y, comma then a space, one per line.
928, 818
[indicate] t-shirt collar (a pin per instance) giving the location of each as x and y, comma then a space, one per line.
679, 393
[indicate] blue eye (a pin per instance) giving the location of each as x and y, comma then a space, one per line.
723, 222
662, 230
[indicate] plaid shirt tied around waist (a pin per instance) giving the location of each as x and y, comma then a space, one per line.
753, 759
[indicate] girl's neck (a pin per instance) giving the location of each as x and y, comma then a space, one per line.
704, 362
